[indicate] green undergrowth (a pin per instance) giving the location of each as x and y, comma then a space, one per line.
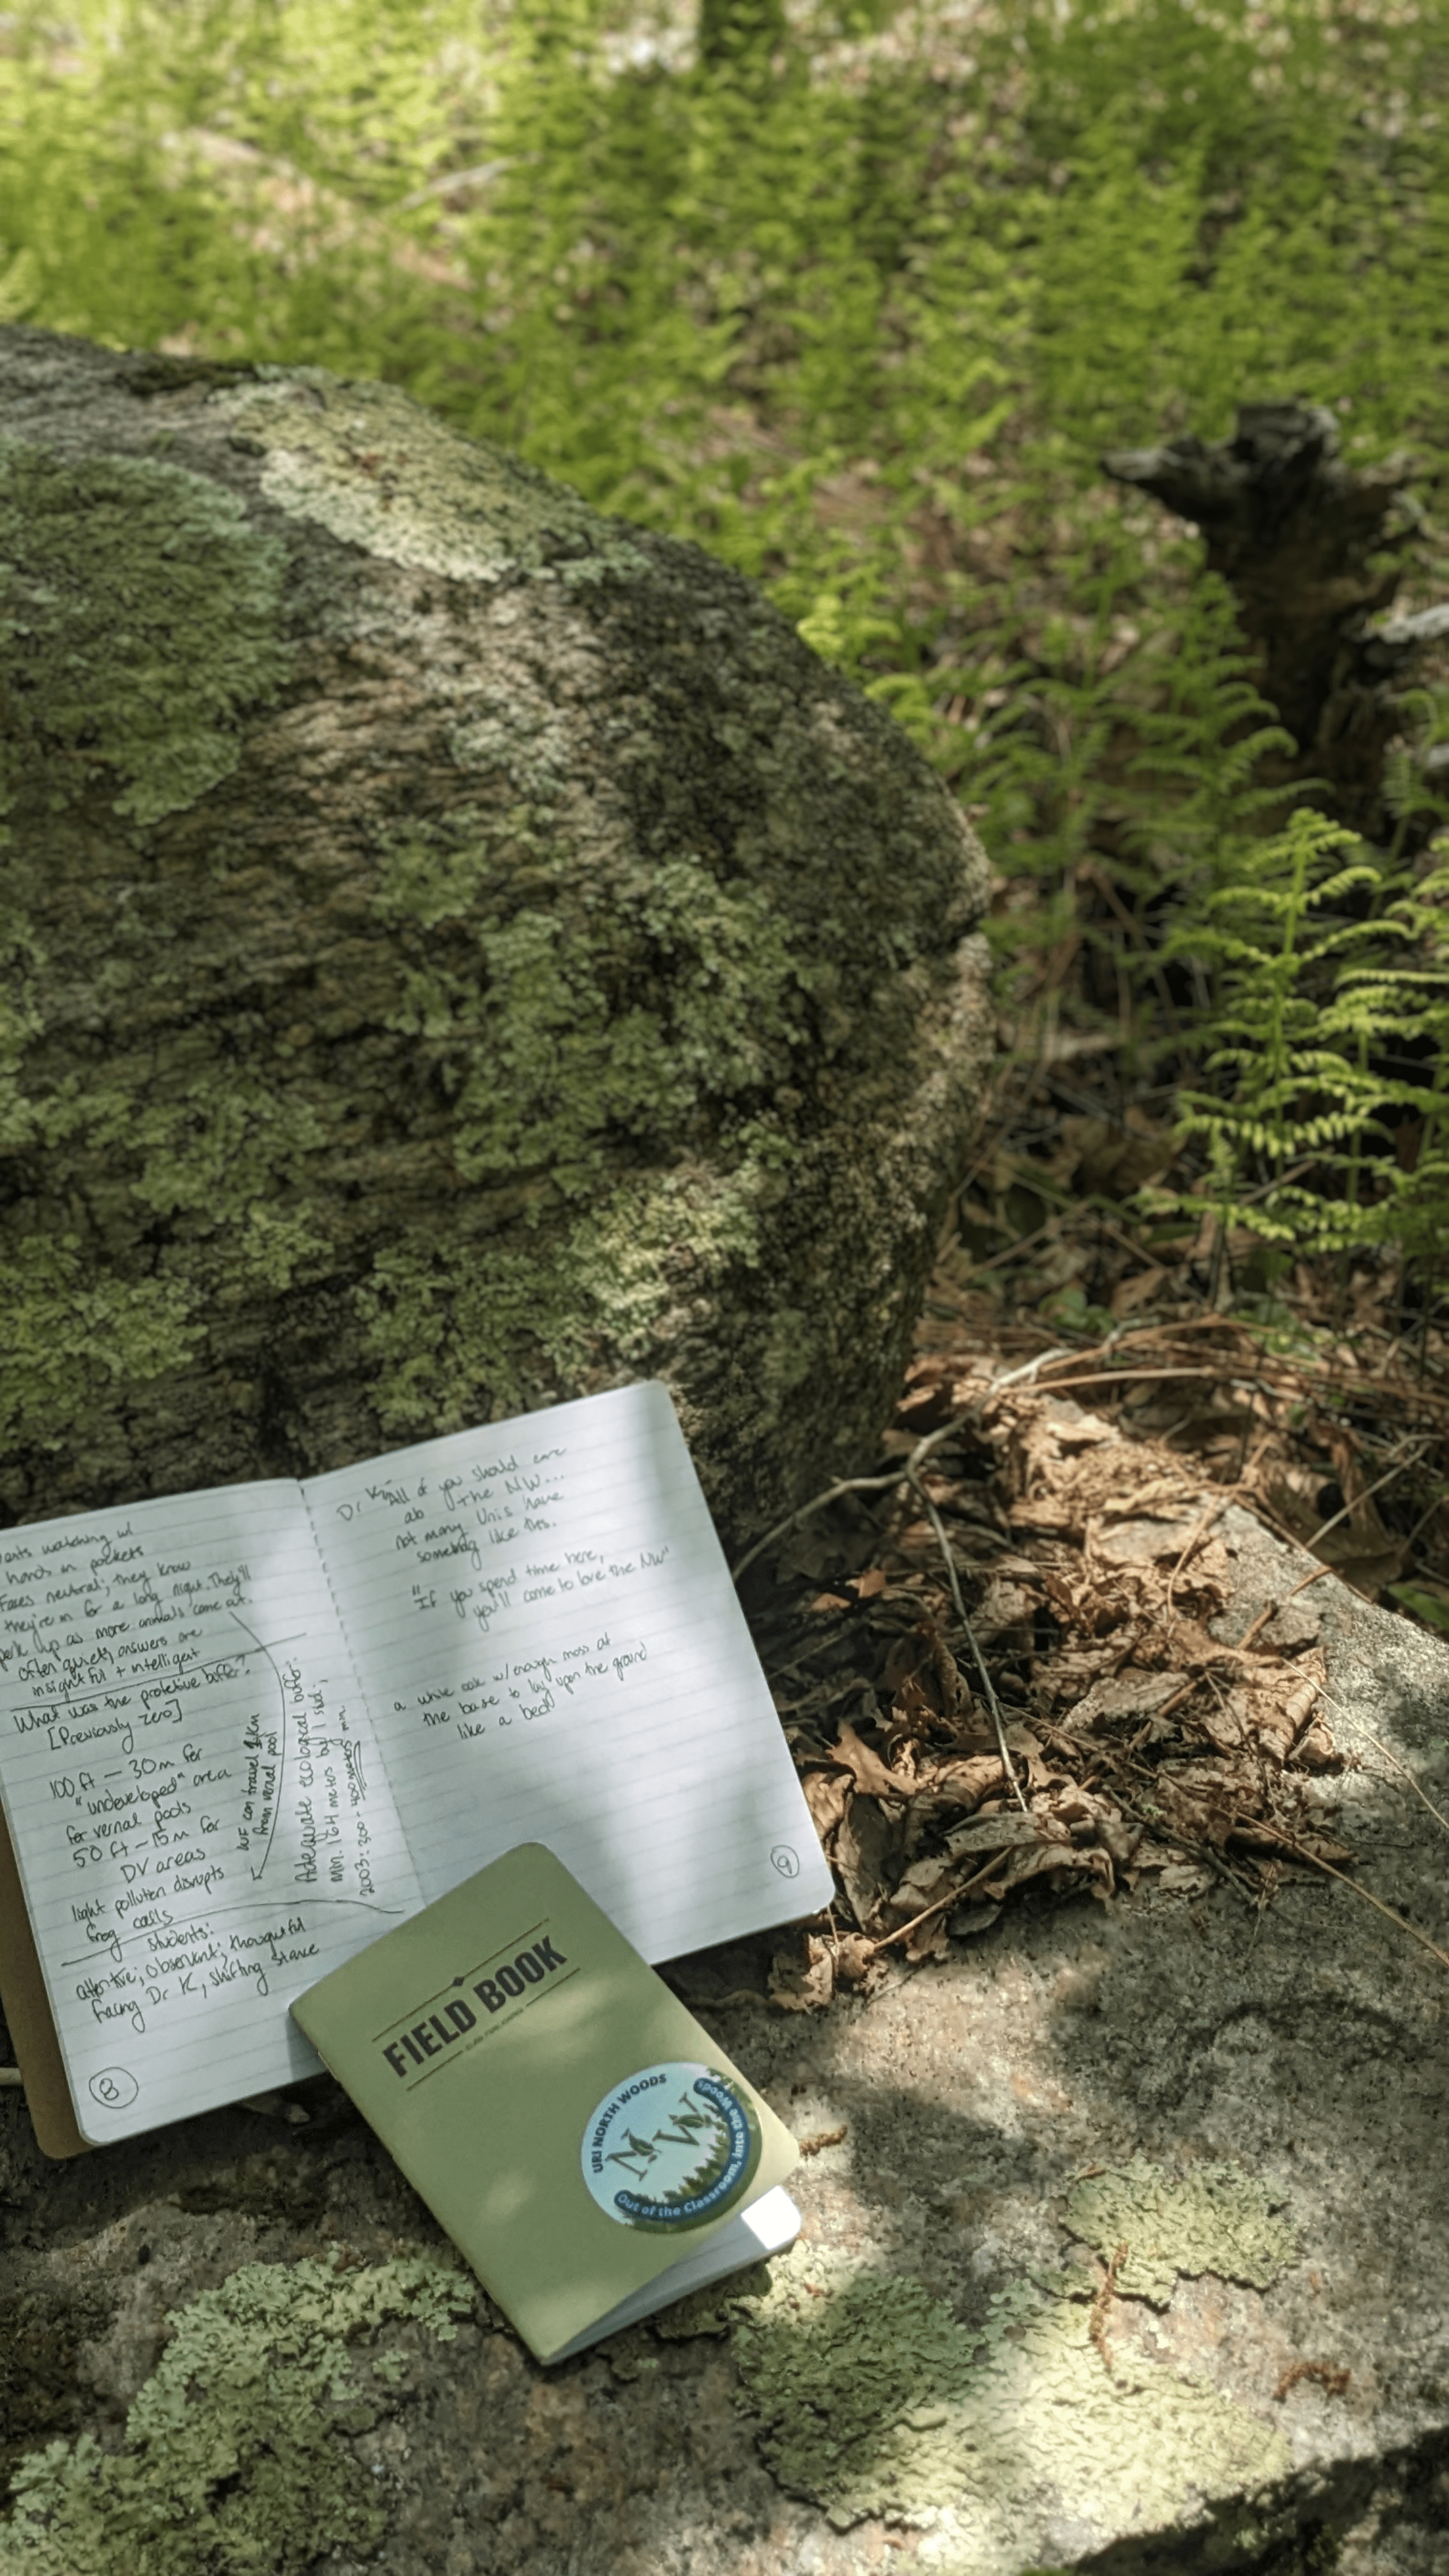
863, 326
231, 2463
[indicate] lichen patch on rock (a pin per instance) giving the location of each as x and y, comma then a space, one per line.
231, 2461
138, 615
873, 2399
370, 464
1211, 2219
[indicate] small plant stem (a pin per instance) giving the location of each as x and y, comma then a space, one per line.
1387, 1478
1301, 1852
939, 1526
952, 1896
1137, 1376
895, 1475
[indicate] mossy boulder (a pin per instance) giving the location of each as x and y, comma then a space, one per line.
461, 951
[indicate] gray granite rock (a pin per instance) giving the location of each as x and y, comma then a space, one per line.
1252, 2105
468, 951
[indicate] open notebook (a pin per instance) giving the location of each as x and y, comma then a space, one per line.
245, 1731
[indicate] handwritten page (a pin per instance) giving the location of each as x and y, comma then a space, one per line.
553, 1652
244, 1732
200, 1813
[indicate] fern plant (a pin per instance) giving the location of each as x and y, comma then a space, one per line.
1407, 1006
1302, 1023
1287, 1100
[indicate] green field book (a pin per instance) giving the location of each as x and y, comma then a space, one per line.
582, 2139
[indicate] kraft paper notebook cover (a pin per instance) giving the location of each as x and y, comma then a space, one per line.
584, 2142
244, 1732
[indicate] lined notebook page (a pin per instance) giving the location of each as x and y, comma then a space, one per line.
200, 1814
552, 1649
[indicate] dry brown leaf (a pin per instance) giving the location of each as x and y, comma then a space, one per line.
870, 1772
867, 1856
912, 1713
1128, 1695
922, 1884
854, 1958
965, 1784
1224, 1725
994, 1833
1003, 1606
1316, 1750
1208, 1816
1129, 1294
827, 1795
1048, 1512
802, 1975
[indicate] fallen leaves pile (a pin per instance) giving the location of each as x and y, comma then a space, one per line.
1147, 1739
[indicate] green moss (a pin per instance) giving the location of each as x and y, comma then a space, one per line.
658, 1011
639, 1027
451, 1327
872, 2399
40, 2394
1211, 2219
71, 1331
138, 617
230, 2464
628, 1014
153, 372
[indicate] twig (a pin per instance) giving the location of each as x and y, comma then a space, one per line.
952, 1896
11, 2075
939, 1526
896, 1475
1386, 1478
1169, 1832
1300, 1851
1114, 1377
832, 1494
1097, 2321
1273, 1608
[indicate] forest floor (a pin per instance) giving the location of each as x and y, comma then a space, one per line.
1044, 1586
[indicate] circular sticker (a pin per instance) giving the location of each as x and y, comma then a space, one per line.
671, 2147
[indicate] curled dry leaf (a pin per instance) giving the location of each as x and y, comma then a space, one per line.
827, 1795
869, 1771
802, 1975
869, 1846
856, 1961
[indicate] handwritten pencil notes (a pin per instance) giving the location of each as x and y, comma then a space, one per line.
554, 1652
243, 1732
199, 1810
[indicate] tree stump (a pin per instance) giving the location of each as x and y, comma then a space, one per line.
464, 952
1292, 529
